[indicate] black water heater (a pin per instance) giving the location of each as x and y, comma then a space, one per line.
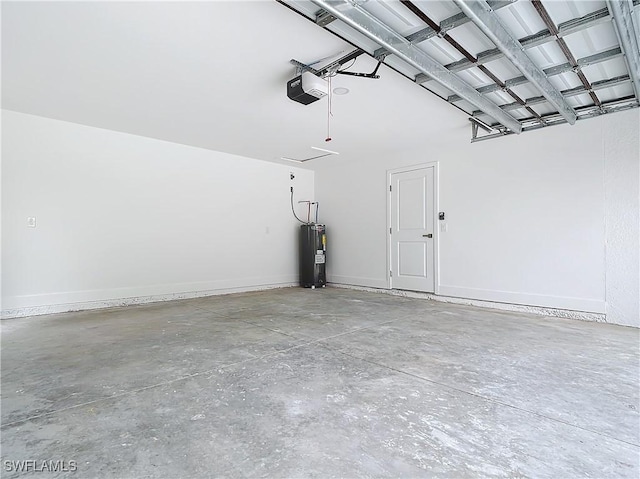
313, 256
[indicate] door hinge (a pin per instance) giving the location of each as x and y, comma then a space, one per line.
390, 274
390, 231
389, 187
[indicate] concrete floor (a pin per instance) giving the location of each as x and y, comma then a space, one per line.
325, 383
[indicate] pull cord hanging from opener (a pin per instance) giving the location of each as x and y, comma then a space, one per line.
329, 114
335, 71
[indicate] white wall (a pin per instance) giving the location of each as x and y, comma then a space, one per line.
122, 216
548, 218
527, 216
621, 140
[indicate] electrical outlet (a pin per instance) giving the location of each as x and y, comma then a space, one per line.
31, 222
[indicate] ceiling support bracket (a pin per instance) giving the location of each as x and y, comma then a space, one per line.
477, 124
324, 18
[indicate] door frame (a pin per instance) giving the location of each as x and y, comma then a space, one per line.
436, 229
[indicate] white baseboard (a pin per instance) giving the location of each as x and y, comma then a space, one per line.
108, 301
357, 281
525, 299
521, 308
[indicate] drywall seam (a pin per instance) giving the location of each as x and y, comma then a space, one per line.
605, 247
542, 311
111, 303
622, 218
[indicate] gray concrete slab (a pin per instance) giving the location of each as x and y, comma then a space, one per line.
372, 386
316, 313
66, 359
583, 373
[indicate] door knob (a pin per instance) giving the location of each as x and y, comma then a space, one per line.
427, 236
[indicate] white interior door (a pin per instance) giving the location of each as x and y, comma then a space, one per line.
412, 231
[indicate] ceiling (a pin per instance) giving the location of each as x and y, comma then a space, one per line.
213, 74
206, 74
